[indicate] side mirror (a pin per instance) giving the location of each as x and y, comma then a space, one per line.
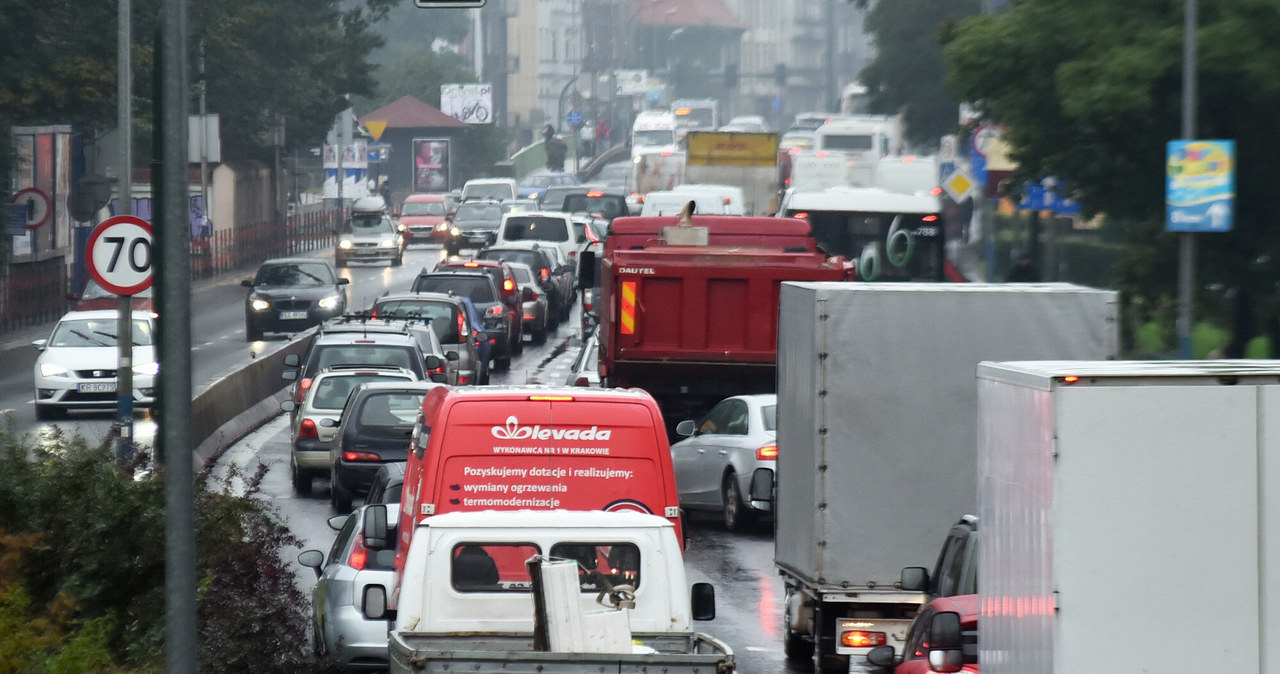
526, 295
248, 283
292, 360
40, 344
312, 559
702, 600
881, 656
289, 375
374, 601
342, 280
337, 522
328, 423
433, 362
946, 643
439, 378
685, 428
914, 579
587, 268
376, 533
288, 406
451, 356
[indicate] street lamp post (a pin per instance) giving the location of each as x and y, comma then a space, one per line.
1187, 244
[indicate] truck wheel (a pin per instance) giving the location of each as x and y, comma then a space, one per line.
736, 515
794, 645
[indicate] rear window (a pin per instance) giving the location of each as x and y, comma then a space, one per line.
491, 212
522, 275
533, 228
497, 191
366, 354
500, 567
528, 257
608, 206
389, 415
480, 290
332, 392
446, 319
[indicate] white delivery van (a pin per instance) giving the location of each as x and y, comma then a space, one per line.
654, 131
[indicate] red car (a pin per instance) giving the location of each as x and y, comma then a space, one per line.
934, 644
423, 216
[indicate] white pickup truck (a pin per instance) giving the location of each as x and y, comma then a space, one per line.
466, 599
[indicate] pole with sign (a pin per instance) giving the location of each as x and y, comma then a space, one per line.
118, 254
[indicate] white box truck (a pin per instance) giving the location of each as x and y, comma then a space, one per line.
1129, 514
877, 437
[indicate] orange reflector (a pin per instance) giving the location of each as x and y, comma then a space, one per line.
628, 314
935, 191
553, 399
1070, 379
800, 216
862, 639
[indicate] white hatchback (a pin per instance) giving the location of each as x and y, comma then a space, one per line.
551, 228
77, 365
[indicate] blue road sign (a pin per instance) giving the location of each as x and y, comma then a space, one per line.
574, 117
17, 219
1200, 185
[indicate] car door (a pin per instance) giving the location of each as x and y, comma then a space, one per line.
327, 597
689, 458
726, 448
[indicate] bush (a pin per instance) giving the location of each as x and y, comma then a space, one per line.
86, 541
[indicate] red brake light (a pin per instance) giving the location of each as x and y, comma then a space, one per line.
930, 218
545, 274
862, 639
462, 325
596, 193
359, 554
767, 453
493, 311
471, 264
360, 456
302, 388
591, 236
508, 285
463, 379
307, 430
553, 399
800, 216
821, 153
908, 159
794, 150
935, 191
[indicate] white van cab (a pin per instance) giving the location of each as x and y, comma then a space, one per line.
672, 202
653, 131
553, 228
498, 189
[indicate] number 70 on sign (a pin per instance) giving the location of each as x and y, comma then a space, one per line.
118, 254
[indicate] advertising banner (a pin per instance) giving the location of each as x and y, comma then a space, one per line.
470, 103
431, 158
1200, 185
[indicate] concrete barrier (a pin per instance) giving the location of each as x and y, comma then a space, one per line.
233, 406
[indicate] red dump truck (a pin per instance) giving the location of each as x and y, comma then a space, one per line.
688, 306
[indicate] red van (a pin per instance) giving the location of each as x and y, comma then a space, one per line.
537, 448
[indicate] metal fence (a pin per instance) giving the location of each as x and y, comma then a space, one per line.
36, 293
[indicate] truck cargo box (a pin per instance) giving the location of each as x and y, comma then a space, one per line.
1129, 513
877, 411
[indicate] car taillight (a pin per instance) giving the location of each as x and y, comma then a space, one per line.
581, 381
462, 326
360, 456
302, 388
862, 638
373, 313
528, 317
591, 236
359, 554
463, 379
545, 274
767, 453
494, 311
307, 430
508, 285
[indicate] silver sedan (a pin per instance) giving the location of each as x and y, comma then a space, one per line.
717, 462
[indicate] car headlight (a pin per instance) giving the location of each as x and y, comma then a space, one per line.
148, 369
444, 226
259, 305
455, 231
52, 370
344, 244
387, 243
329, 302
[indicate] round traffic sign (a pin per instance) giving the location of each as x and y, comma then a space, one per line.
574, 117
118, 254
37, 203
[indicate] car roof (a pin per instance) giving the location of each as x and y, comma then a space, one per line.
99, 314
413, 386
429, 296
292, 260
352, 370
433, 196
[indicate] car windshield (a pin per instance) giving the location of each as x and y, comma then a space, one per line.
423, 208
607, 206
554, 199
445, 317
535, 228
528, 257
293, 274
652, 138
89, 332
487, 212
497, 191
480, 290
369, 224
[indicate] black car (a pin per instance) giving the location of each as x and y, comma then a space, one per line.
604, 203
473, 225
502, 321
388, 483
292, 294
555, 284
374, 429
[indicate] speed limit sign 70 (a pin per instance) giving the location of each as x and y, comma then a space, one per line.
119, 254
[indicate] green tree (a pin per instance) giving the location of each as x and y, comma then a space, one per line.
908, 71
1090, 91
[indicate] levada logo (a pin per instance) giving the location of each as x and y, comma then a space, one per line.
514, 431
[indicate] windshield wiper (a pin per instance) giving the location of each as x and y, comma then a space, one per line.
90, 338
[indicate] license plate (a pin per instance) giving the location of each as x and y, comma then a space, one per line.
293, 315
97, 387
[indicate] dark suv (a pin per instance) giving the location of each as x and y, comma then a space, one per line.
374, 429
502, 321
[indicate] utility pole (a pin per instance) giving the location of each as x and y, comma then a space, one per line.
124, 303
1187, 243
204, 149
